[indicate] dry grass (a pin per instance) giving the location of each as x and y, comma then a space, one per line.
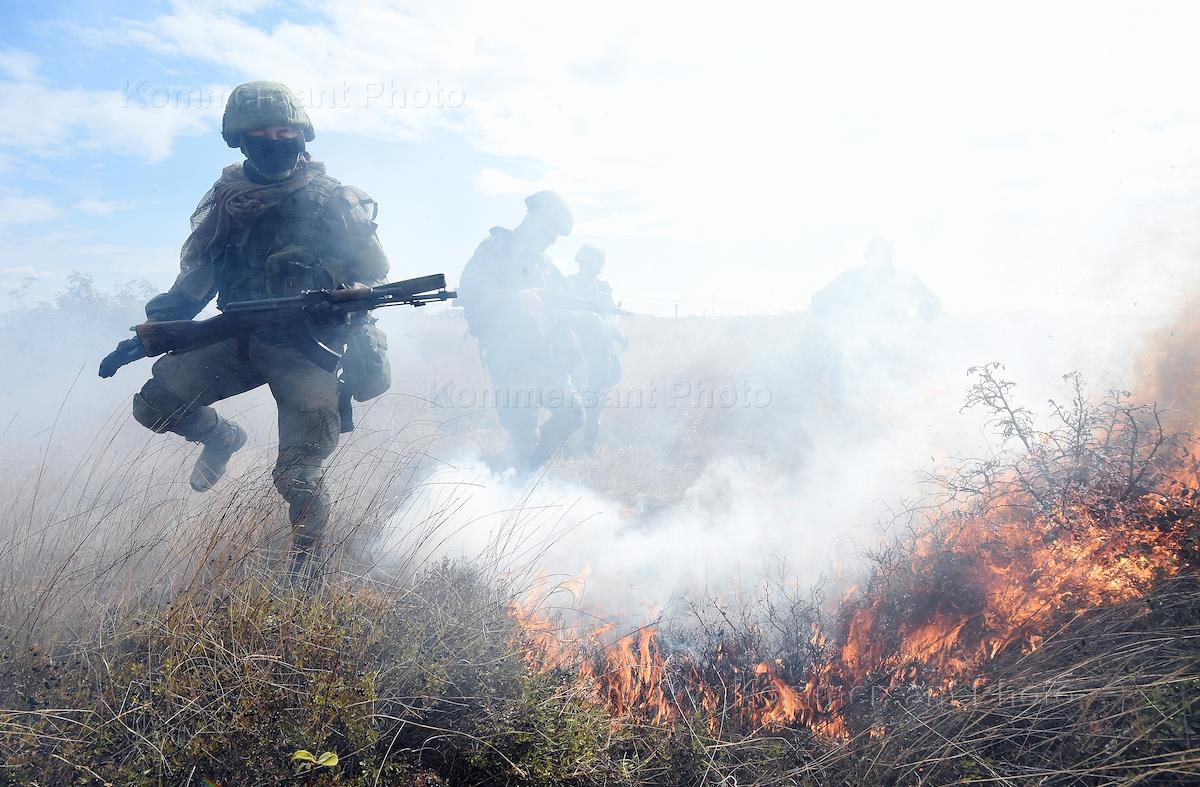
1110, 698
147, 637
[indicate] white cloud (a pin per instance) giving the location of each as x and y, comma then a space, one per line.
99, 207
45, 120
1018, 137
26, 209
1021, 138
18, 65
131, 259
492, 181
234, 6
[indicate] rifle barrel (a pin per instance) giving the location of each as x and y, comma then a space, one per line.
399, 291
265, 304
421, 284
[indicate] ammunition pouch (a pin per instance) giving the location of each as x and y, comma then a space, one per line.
366, 370
359, 220
290, 270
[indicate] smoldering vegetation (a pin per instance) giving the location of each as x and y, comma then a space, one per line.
681, 607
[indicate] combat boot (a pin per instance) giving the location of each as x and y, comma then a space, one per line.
219, 445
306, 564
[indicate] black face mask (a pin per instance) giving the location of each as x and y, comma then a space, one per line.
272, 156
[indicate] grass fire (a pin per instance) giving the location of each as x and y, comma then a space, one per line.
1032, 616
1017, 560
398, 393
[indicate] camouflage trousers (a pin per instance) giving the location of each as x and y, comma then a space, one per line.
177, 398
524, 385
601, 371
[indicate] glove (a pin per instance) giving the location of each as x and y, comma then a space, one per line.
127, 351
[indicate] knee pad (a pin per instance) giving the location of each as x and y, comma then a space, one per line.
300, 485
159, 410
148, 415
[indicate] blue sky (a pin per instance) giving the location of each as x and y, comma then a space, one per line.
1018, 156
121, 214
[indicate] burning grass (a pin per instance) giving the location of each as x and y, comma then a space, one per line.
1069, 528
1035, 620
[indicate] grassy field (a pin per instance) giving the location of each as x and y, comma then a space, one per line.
1032, 617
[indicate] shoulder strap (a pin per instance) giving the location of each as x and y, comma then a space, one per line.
360, 199
319, 190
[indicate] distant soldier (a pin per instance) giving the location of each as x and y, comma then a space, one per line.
876, 320
506, 291
271, 226
876, 292
599, 337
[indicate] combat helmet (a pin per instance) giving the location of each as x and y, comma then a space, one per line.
256, 105
590, 256
879, 252
552, 209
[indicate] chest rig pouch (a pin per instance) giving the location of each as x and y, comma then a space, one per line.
300, 243
303, 244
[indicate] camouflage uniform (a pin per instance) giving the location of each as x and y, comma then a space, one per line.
599, 338
319, 234
529, 357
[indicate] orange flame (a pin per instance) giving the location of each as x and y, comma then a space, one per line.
988, 584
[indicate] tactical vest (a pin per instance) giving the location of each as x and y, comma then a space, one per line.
496, 267
248, 270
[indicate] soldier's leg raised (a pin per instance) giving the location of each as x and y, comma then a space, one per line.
308, 434
177, 398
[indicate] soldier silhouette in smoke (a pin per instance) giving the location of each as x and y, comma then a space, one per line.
876, 292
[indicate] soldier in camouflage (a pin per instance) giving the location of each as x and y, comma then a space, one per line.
271, 226
600, 339
507, 291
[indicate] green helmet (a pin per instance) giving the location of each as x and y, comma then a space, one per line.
257, 105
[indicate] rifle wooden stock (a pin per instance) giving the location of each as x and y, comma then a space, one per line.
183, 335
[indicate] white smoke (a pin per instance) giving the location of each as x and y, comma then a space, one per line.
796, 487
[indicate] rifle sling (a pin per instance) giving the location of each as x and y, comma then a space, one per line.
322, 356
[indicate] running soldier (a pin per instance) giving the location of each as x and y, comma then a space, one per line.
271, 226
